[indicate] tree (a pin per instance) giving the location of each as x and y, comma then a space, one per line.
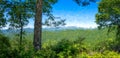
19, 12
38, 26
45, 6
2, 16
42, 7
109, 16
52, 22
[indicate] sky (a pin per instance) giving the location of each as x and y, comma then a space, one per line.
74, 14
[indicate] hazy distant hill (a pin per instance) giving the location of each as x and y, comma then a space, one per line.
30, 30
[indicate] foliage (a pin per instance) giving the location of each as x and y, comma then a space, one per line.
108, 44
17, 14
105, 54
45, 53
4, 46
47, 6
84, 2
66, 48
54, 23
3, 20
108, 13
109, 16
67, 45
63, 49
26, 50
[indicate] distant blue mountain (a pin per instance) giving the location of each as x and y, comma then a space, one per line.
61, 28
31, 30
12, 31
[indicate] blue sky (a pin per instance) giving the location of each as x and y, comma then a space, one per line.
75, 15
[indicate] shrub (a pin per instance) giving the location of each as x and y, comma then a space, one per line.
4, 47
45, 53
63, 49
108, 44
24, 51
105, 54
66, 48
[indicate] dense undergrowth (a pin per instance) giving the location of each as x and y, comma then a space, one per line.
63, 44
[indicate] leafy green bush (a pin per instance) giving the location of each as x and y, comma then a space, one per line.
66, 48
45, 53
105, 54
107, 44
10, 49
4, 47
24, 51
62, 49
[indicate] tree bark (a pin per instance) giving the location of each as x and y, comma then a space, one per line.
38, 26
21, 30
118, 34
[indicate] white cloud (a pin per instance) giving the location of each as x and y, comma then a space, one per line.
79, 20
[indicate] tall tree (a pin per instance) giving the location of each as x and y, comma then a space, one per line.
3, 20
38, 26
44, 6
109, 16
19, 17
18, 11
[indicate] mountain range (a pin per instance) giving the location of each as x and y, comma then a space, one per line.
30, 30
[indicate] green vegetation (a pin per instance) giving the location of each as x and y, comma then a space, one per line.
4, 46
70, 43
109, 16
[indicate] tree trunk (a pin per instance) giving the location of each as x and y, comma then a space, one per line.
38, 26
118, 34
117, 46
21, 30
